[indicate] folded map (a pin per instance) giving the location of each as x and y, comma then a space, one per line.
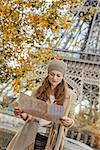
40, 109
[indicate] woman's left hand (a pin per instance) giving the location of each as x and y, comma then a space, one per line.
66, 121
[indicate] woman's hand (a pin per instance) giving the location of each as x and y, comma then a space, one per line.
66, 121
19, 112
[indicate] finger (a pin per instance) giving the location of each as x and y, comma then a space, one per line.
65, 123
17, 112
16, 108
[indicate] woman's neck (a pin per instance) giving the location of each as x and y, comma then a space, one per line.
53, 87
52, 91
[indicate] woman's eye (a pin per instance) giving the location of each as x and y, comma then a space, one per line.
52, 74
58, 76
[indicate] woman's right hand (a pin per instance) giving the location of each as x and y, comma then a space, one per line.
17, 111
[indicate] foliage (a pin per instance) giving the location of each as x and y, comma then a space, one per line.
26, 27
88, 119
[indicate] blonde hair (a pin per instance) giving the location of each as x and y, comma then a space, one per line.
60, 92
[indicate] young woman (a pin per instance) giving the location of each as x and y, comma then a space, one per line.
53, 89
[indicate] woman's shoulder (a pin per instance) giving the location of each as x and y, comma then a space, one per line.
70, 99
71, 93
35, 90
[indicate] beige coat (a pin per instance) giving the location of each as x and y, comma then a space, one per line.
25, 138
58, 142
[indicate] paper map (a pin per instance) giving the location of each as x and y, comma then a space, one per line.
40, 109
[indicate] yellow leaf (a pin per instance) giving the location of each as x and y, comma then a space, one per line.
57, 30
67, 26
74, 30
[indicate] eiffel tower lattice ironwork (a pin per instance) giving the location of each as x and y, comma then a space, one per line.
81, 51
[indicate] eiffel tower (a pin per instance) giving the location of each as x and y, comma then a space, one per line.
81, 51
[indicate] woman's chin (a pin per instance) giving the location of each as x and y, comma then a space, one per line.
54, 86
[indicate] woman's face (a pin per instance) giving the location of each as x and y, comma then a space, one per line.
55, 77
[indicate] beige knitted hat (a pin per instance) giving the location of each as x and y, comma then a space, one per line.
58, 65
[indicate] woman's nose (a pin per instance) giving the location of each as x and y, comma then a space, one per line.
54, 77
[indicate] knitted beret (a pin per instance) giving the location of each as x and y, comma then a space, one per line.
58, 65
